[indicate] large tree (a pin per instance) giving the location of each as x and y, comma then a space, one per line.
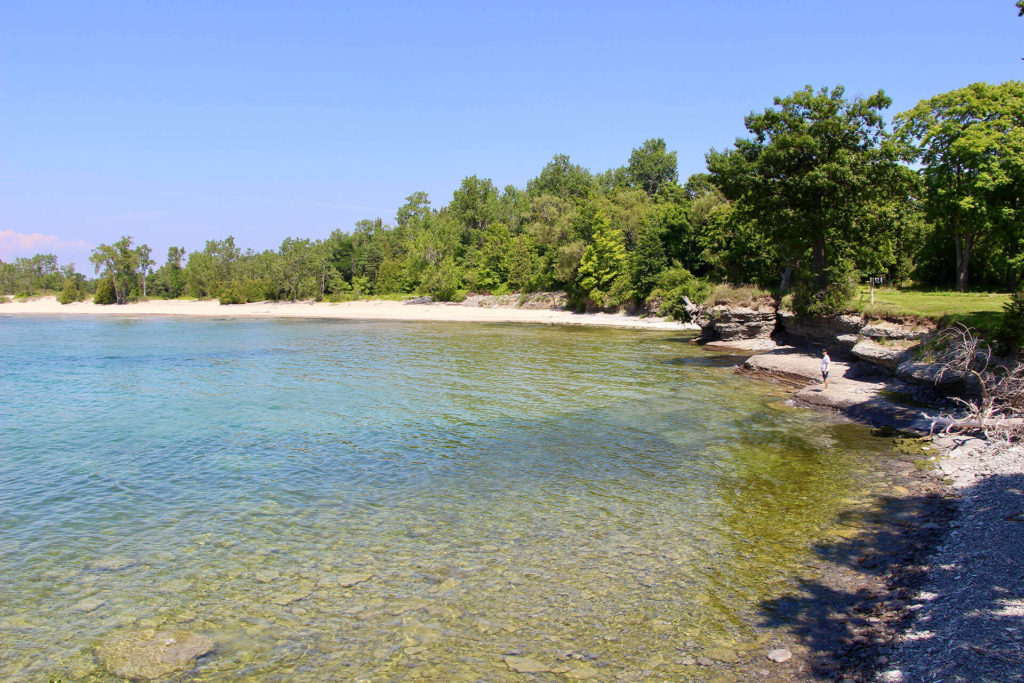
120, 264
811, 177
970, 143
652, 166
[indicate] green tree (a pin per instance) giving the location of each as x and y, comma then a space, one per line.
815, 165
647, 260
563, 179
651, 166
169, 279
970, 143
210, 270
474, 205
603, 271
119, 263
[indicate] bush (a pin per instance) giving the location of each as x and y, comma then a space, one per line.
105, 294
673, 285
232, 294
71, 291
1011, 328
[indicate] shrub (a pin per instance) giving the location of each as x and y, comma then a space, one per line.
232, 294
71, 291
105, 294
1011, 328
673, 285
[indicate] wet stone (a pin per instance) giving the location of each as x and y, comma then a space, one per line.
114, 563
350, 579
582, 672
152, 654
300, 590
525, 665
89, 604
722, 654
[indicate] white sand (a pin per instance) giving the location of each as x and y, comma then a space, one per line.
352, 310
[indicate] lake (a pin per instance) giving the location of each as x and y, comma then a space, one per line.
390, 501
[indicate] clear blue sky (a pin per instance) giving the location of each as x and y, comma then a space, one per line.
177, 122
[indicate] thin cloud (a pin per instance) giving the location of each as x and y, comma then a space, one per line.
13, 243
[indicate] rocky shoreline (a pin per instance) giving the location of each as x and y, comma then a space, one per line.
932, 589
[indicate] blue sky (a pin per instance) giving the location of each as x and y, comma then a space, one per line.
178, 122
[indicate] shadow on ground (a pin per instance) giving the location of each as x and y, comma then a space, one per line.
974, 630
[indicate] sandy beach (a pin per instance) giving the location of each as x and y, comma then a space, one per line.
351, 310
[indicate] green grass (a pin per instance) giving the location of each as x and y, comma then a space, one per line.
735, 295
981, 310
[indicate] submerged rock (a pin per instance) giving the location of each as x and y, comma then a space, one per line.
152, 654
112, 564
89, 604
353, 578
525, 665
301, 590
780, 655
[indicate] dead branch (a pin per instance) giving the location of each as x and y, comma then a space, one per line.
997, 404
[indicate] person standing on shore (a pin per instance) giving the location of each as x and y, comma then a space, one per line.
826, 363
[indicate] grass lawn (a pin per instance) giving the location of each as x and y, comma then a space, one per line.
977, 309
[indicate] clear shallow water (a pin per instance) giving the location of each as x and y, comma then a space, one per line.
615, 495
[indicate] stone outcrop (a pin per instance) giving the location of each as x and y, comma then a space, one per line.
839, 331
885, 330
730, 323
885, 356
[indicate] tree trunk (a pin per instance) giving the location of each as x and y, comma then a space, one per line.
818, 248
964, 244
787, 276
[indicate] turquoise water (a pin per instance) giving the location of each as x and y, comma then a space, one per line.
391, 501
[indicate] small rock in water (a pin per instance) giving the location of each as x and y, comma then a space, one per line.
302, 590
525, 665
780, 655
722, 654
89, 604
112, 564
150, 654
582, 672
353, 578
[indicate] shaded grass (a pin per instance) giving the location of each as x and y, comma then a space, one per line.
980, 310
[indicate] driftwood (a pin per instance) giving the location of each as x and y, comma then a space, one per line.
998, 408
970, 423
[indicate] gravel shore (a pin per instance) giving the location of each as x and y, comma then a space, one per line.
952, 605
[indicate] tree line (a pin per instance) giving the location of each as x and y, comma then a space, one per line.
819, 195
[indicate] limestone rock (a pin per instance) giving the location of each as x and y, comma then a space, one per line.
525, 665
729, 323
112, 564
582, 672
89, 604
353, 578
150, 654
888, 357
722, 654
780, 655
300, 590
822, 330
893, 331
